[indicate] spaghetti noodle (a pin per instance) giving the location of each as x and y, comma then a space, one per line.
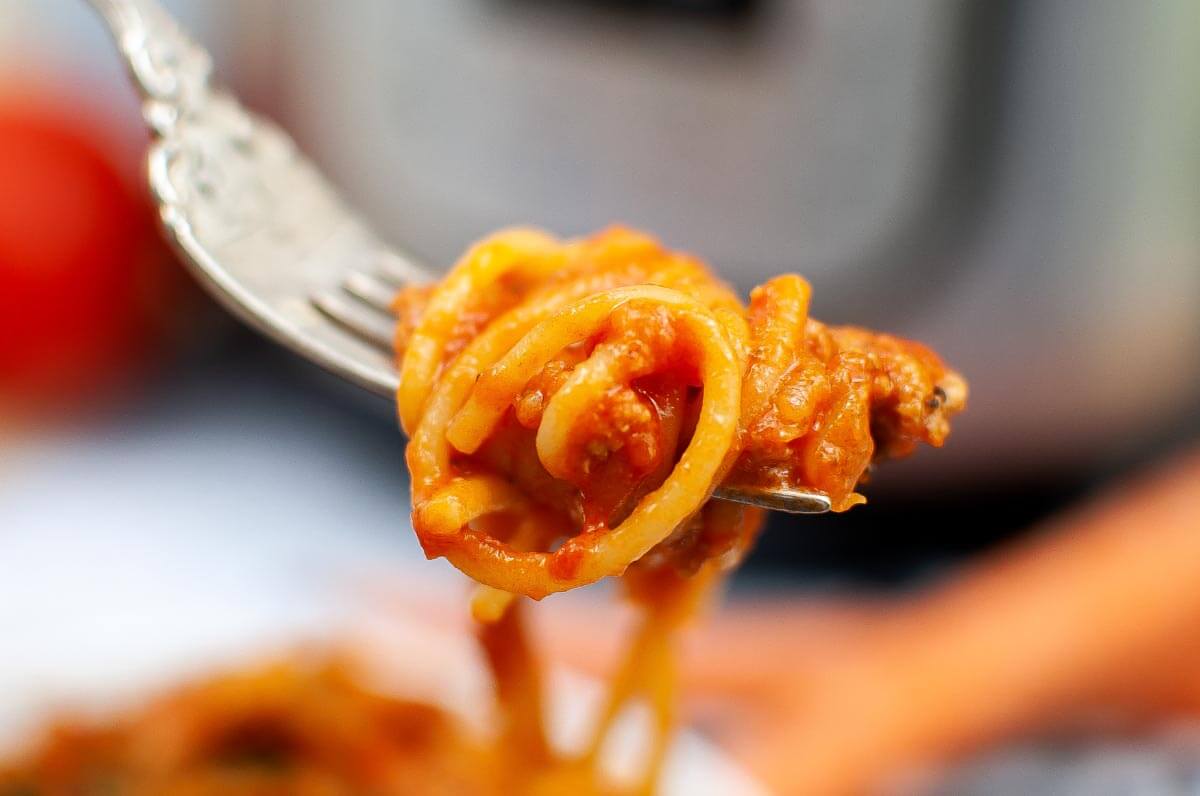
573, 405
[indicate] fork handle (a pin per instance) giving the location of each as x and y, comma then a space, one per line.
168, 67
253, 220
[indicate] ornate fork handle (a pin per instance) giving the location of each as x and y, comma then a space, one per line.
169, 68
256, 223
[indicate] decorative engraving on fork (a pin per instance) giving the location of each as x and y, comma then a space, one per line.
214, 160
168, 67
253, 219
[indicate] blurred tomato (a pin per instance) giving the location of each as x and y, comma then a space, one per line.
86, 286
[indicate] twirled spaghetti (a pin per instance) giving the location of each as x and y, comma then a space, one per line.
573, 405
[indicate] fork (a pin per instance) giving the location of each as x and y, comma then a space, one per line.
263, 231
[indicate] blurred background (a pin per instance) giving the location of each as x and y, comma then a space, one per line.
1015, 183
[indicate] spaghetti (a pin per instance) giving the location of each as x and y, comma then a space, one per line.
573, 405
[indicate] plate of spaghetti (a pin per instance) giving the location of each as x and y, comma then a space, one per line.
383, 705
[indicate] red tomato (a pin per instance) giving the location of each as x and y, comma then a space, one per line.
84, 279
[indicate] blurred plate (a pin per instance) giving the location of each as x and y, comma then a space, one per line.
163, 644
230, 520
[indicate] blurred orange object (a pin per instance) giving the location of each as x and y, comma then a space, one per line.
86, 286
1104, 598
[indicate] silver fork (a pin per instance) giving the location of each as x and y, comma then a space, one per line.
263, 231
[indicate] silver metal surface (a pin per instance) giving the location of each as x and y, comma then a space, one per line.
256, 223
793, 501
263, 231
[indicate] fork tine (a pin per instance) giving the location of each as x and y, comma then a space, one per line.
793, 501
370, 290
355, 318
